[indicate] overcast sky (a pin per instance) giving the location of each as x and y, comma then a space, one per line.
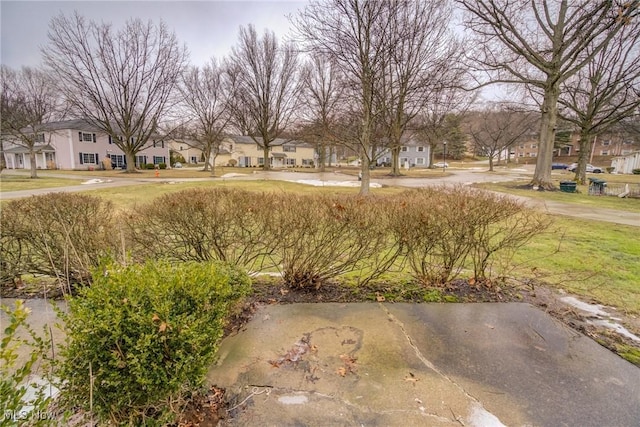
207, 27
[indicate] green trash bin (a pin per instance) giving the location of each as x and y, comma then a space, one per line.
568, 186
597, 186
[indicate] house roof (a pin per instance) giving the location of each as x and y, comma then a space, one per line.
278, 155
244, 139
45, 148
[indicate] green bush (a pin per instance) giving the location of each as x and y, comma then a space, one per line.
149, 166
16, 378
636, 171
61, 235
145, 335
162, 165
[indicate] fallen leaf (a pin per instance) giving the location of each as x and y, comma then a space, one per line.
163, 327
155, 318
342, 371
284, 291
379, 298
472, 281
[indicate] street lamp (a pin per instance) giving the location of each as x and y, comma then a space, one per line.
444, 156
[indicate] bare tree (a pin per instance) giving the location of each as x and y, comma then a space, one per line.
353, 34
497, 128
433, 122
420, 58
323, 90
264, 75
121, 82
605, 92
28, 102
542, 43
206, 98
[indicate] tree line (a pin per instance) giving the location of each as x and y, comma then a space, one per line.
359, 74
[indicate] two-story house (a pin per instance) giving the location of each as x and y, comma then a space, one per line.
245, 152
76, 144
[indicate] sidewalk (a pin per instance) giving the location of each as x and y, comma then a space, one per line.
421, 364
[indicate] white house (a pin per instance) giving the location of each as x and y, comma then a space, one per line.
627, 163
76, 144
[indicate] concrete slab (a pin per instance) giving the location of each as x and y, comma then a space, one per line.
435, 365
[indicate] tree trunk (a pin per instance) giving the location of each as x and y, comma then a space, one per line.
207, 155
32, 160
395, 161
366, 176
490, 163
265, 152
542, 174
131, 161
432, 155
586, 141
322, 156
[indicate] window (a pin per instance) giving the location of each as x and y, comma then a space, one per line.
420, 160
420, 149
87, 137
604, 152
194, 159
39, 138
290, 162
289, 148
625, 152
90, 158
520, 154
260, 161
404, 148
521, 147
534, 154
534, 145
307, 162
158, 159
403, 160
627, 142
606, 143
118, 161
141, 161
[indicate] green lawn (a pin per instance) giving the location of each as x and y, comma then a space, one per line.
595, 259
23, 182
581, 198
128, 196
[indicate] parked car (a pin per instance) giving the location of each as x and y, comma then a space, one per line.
177, 165
441, 165
562, 166
590, 168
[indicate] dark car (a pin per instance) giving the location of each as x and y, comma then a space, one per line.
562, 166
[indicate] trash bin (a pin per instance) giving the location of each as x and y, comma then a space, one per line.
568, 186
597, 186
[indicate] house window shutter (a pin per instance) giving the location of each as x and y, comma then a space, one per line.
110, 140
81, 159
94, 138
80, 136
97, 159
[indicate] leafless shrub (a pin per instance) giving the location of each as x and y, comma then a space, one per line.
60, 235
205, 224
440, 229
500, 225
431, 225
321, 237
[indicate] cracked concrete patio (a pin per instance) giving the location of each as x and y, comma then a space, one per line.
421, 364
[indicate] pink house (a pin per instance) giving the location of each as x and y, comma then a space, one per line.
75, 144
